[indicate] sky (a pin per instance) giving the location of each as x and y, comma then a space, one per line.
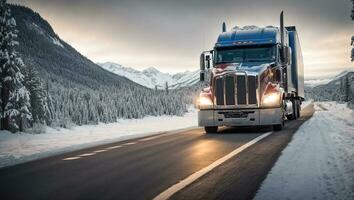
170, 35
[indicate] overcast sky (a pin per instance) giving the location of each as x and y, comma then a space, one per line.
170, 34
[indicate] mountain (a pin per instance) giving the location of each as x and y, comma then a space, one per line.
81, 91
339, 88
324, 81
152, 77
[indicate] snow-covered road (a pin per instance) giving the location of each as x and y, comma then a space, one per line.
319, 162
17, 148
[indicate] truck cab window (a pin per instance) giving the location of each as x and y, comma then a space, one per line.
246, 54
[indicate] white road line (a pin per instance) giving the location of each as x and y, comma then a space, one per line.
72, 158
151, 138
86, 154
190, 179
130, 143
99, 151
114, 147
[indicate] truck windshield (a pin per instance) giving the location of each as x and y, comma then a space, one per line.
245, 54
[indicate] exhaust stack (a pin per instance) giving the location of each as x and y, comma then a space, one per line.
223, 27
282, 28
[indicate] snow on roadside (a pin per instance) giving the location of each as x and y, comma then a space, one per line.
17, 148
319, 162
304, 104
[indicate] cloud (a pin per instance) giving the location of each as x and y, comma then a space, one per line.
171, 34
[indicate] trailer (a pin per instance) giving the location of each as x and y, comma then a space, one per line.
254, 77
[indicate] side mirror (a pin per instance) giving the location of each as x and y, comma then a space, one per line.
207, 58
202, 62
205, 63
202, 76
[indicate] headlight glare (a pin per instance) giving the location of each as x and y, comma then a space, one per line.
271, 99
204, 102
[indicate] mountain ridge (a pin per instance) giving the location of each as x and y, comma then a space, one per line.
323, 81
152, 77
339, 88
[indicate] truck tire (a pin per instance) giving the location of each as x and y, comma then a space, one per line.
278, 127
293, 115
211, 129
298, 108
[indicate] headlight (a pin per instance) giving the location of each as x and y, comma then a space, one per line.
204, 102
271, 99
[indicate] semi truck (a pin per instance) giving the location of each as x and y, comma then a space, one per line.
253, 77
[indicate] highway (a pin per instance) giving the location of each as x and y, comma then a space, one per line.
150, 167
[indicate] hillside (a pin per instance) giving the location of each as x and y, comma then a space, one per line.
152, 77
83, 92
339, 88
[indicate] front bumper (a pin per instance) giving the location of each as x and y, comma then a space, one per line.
240, 117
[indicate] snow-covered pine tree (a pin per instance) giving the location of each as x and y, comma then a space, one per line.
15, 104
37, 95
166, 87
48, 105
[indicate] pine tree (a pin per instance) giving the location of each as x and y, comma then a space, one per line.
166, 87
14, 96
37, 95
48, 105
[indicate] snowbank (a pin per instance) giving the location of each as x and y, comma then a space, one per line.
319, 161
17, 148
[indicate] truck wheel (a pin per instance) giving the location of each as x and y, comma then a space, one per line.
298, 109
211, 129
278, 127
293, 115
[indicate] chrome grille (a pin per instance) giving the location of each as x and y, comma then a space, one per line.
219, 91
252, 89
230, 90
241, 89
238, 89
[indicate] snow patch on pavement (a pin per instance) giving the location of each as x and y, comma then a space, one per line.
319, 162
17, 148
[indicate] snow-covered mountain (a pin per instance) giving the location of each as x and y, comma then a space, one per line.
339, 88
324, 81
152, 77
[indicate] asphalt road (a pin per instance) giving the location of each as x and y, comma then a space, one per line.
143, 168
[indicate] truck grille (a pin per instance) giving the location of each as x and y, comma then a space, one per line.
236, 90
